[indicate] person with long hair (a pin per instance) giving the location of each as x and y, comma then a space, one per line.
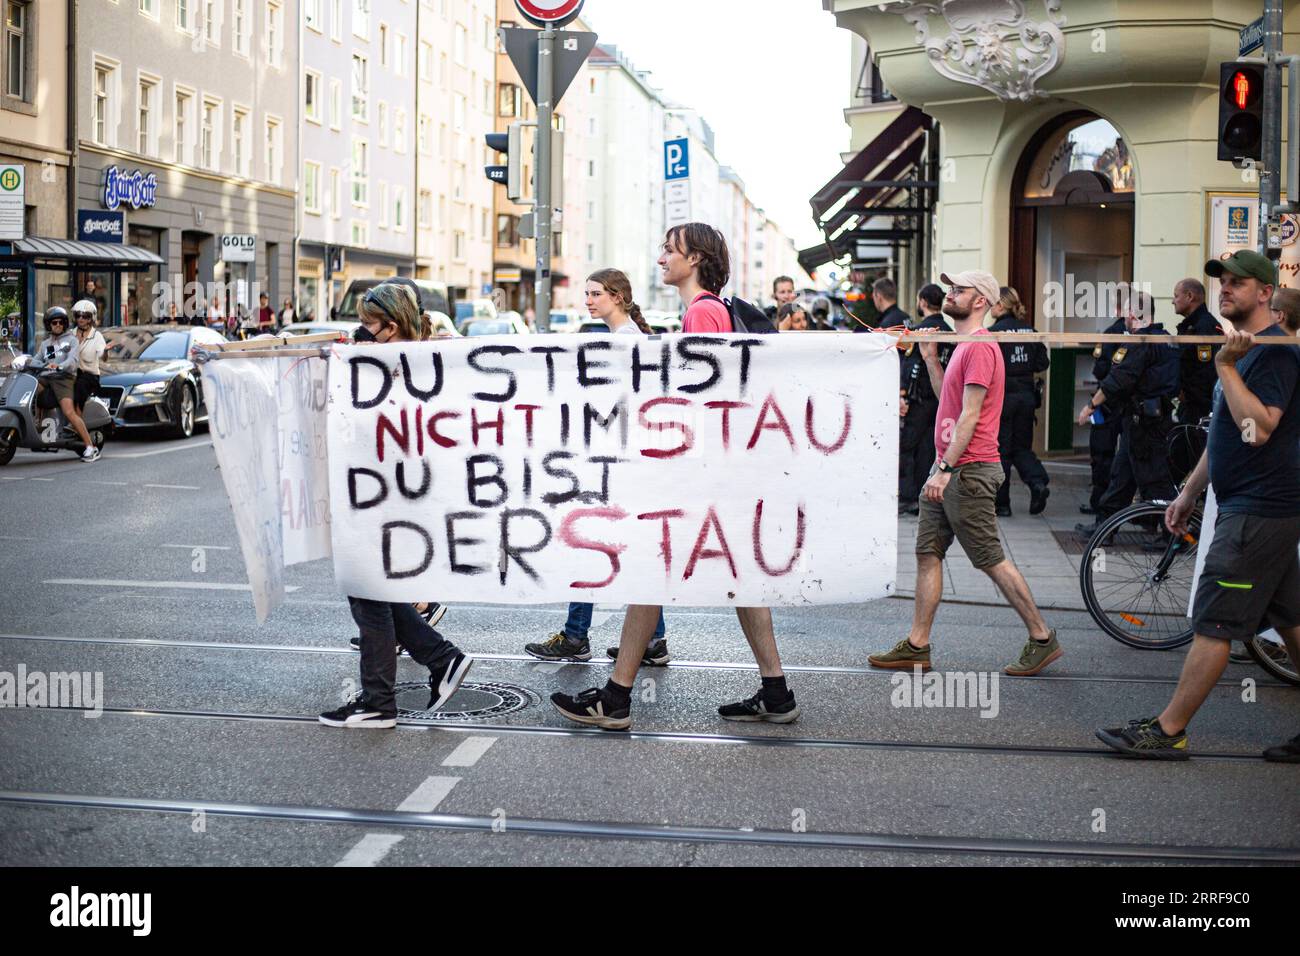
609, 299
1016, 432
791, 317
390, 313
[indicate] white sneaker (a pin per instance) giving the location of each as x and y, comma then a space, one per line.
90, 454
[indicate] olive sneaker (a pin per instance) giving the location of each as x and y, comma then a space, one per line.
903, 656
561, 647
656, 653
1145, 739
1035, 656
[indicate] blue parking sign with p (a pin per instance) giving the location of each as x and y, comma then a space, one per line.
677, 159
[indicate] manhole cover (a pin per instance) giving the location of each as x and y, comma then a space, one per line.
471, 702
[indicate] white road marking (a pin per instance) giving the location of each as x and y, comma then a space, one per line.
187, 585
11, 478
205, 547
42, 479
371, 849
116, 483
158, 451
549, 667
175, 487
469, 752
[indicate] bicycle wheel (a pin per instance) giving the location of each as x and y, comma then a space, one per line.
1274, 659
1136, 577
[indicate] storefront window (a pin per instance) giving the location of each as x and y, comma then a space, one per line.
141, 307
308, 297
1087, 144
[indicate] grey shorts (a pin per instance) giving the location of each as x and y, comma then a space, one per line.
1251, 579
60, 385
967, 514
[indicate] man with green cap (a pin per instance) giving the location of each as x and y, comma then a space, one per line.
1251, 578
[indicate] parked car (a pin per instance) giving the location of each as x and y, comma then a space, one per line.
662, 322
567, 320
150, 381
506, 323
434, 297
467, 312
592, 326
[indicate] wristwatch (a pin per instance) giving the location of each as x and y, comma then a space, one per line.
946, 468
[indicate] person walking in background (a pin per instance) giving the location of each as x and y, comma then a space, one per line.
791, 317
958, 499
1016, 431
265, 314
1196, 362
609, 300
1103, 436
918, 405
286, 316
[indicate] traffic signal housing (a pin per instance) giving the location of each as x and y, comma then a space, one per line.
1241, 110
511, 175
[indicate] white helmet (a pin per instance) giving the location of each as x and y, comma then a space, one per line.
85, 305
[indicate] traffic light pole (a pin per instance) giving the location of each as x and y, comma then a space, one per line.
1270, 180
542, 177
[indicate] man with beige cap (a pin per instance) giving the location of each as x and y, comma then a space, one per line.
958, 500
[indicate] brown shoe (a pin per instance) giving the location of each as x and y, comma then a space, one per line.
902, 656
1035, 657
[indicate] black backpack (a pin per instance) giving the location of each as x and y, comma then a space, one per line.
745, 317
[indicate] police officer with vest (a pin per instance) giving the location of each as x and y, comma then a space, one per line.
1104, 434
1196, 365
1143, 381
918, 405
1016, 432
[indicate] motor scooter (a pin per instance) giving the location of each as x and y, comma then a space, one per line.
25, 423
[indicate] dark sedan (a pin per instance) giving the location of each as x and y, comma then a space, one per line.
148, 378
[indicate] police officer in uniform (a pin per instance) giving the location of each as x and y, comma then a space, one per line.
1143, 381
1016, 433
918, 405
1103, 437
1197, 375
884, 296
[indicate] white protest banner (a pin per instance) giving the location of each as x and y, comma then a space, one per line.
679, 469
303, 457
243, 418
1209, 517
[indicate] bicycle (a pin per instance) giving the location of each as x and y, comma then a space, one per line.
1136, 578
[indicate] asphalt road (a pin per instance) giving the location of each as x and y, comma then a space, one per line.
208, 751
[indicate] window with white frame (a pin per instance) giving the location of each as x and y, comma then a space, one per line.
360, 233
360, 173
210, 134
241, 20
442, 213
458, 182
381, 120
336, 192
274, 33
336, 103
399, 131
423, 136
399, 208
182, 125
426, 209
104, 105
361, 19
382, 40
336, 20
149, 8
399, 54
146, 108
458, 50
211, 11
458, 245
239, 145
312, 15
19, 53
274, 149
383, 204
311, 96
311, 187
426, 60
185, 15
360, 88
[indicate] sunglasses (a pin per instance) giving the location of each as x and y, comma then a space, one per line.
58, 321
83, 315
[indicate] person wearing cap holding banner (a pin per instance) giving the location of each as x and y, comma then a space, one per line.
958, 500
1251, 578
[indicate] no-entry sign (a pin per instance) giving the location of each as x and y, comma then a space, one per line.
549, 13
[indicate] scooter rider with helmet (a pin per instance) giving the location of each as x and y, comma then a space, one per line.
59, 354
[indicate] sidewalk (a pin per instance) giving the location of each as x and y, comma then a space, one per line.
1044, 547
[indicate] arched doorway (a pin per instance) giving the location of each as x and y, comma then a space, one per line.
1071, 245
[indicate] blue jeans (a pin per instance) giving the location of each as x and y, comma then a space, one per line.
579, 622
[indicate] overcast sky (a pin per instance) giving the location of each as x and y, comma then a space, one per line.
770, 76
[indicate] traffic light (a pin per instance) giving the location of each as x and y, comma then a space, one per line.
511, 175
1241, 110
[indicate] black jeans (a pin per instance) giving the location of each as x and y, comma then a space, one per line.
1141, 465
1102, 441
915, 451
382, 625
1016, 444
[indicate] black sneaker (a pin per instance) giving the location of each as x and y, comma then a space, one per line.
356, 643
656, 654
595, 707
1038, 495
356, 714
1087, 510
1288, 752
755, 709
1002, 511
445, 679
1145, 739
561, 647
433, 613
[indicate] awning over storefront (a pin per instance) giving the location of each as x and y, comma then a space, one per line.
864, 170
101, 254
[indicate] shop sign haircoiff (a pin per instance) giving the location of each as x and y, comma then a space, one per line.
135, 189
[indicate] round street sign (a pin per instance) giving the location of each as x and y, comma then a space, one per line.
549, 13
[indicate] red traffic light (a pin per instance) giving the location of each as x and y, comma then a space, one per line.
1241, 89
1244, 88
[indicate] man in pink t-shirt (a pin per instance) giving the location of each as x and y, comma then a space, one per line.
695, 261
958, 500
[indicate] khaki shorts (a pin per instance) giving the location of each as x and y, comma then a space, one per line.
967, 513
1251, 579
60, 385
